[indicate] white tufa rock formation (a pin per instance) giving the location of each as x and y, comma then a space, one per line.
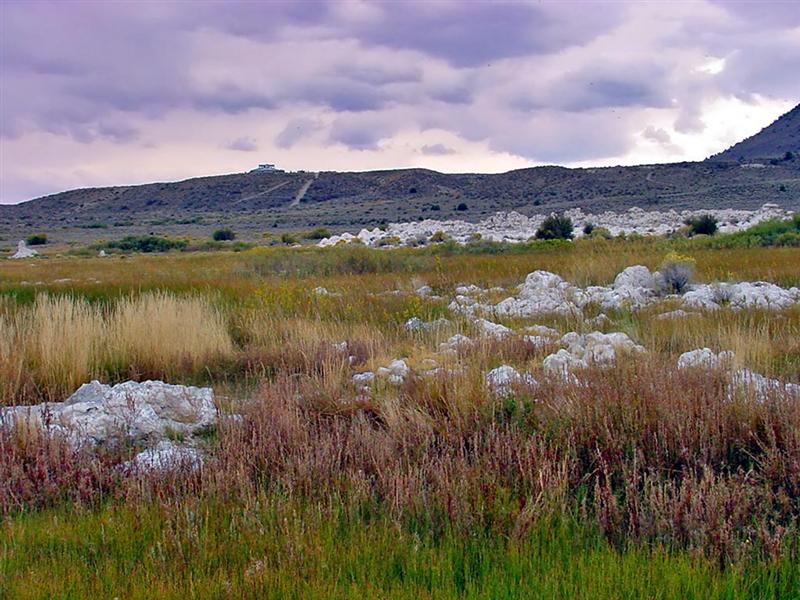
583, 350
514, 227
502, 379
396, 372
164, 457
634, 288
493, 330
97, 413
24, 251
704, 358
741, 381
415, 324
738, 296
455, 344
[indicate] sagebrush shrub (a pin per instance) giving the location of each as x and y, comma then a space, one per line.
37, 239
677, 272
703, 225
318, 234
555, 227
223, 235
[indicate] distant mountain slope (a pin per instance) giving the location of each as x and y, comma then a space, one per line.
773, 141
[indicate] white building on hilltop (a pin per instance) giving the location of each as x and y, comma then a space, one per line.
264, 167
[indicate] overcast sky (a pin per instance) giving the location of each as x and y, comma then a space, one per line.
102, 93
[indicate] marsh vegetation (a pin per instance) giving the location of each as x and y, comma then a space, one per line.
622, 481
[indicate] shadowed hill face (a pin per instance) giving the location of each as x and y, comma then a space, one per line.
772, 142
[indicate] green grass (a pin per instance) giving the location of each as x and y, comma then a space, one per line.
774, 232
269, 549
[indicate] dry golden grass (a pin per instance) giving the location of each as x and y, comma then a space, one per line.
61, 337
158, 329
241, 273
52, 346
213, 317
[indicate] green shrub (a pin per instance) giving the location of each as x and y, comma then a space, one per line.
223, 235
600, 233
767, 233
790, 238
439, 237
703, 225
288, 239
36, 239
588, 229
462, 207
555, 227
317, 234
144, 243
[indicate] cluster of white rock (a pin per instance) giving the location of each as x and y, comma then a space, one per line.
742, 295
417, 324
146, 412
740, 380
634, 288
595, 349
515, 227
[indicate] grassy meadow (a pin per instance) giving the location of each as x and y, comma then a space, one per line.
642, 481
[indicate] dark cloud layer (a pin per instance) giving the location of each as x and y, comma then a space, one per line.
541, 81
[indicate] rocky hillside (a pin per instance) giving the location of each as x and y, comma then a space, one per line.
267, 201
772, 142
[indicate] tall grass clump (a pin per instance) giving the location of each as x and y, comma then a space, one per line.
52, 346
63, 335
163, 334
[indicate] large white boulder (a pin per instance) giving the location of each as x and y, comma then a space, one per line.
596, 348
542, 293
502, 380
415, 324
563, 362
761, 387
455, 344
739, 296
493, 330
704, 358
96, 412
637, 276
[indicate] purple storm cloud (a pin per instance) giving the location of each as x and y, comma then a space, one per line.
100, 93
